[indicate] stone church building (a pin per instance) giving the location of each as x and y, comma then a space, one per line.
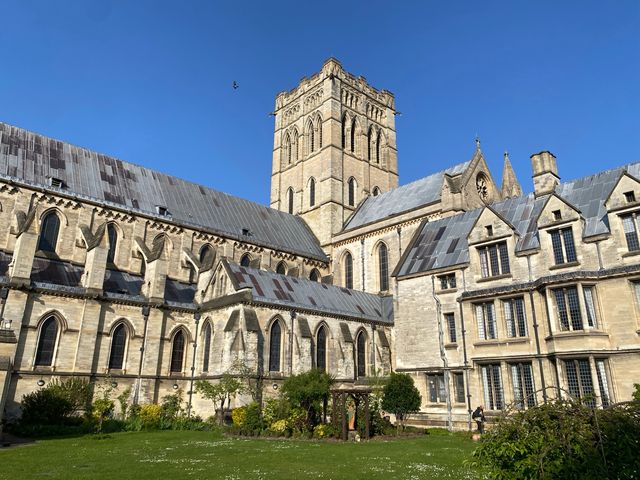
484, 294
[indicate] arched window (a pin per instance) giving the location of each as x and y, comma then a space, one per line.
47, 342
319, 132
294, 147
376, 191
118, 345
49, 232
315, 275
361, 355
344, 131
378, 141
177, 352
275, 343
383, 265
245, 260
321, 349
206, 254
353, 135
287, 149
290, 200
312, 192
352, 191
206, 354
348, 270
112, 233
281, 268
311, 137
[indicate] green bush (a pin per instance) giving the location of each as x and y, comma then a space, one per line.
401, 397
564, 439
238, 416
150, 415
275, 409
47, 406
253, 423
308, 391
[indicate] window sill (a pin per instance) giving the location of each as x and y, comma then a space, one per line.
497, 341
577, 333
44, 369
564, 265
447, 290
275, 375
631, 254
496, 277
451, 346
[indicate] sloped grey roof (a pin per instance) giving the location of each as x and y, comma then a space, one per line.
402, 199
32, 159
276, 289
443, 243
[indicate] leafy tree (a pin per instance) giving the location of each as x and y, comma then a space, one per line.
308, 391
401, 397
45, 407
78, 391
220, 393
563, 439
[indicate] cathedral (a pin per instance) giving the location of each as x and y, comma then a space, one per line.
484, 294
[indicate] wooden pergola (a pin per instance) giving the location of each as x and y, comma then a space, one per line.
339, 397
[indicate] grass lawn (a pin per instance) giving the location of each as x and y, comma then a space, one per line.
186, 454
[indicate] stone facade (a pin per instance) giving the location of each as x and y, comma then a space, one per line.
484, 295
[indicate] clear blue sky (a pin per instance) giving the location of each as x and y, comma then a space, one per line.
150, 81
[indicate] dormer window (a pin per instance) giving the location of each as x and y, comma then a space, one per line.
56, 182
564, 250
489, 229
160, 210
447, 281
494, 260
629, 197
557, 215
630, 227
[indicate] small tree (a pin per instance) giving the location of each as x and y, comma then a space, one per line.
401, 397
220, 393
308, 391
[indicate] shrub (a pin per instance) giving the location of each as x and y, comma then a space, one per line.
296, 419
253, 423
123, 401
279, 427
275, 409
401, 396
47, 406
323, 431
308, 391
150, 415
100, 410
238, 416
563, 439
78, 391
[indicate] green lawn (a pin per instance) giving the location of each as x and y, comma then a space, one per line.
185, 454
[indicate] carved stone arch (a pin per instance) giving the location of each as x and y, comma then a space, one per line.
167, 245
187, 333
275, 335
323, 323
207, 256
127, 325
117, 226
64, 220
46, 352
346, 267
362, 352
174, 348
380, 254
310, 137
276, 318
282, 268
245, 260
62, 321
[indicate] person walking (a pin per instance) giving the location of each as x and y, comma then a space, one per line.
478, 416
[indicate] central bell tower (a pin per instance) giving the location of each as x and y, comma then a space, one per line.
334, 144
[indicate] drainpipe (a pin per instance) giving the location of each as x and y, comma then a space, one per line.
196, 316
466, 359
146, 310
537, 336
443, 354
362, 262
293, 316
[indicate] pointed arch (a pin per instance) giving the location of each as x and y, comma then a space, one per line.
354, 136
319, 130
178, 350
376, 191
383, 266
275, 345
49, 229
312, 192
321, 348
378, 145
361, 353
347, 265
351, 191
112, 236
48, 337
295, 146
311, 137
207, 336
345, 130
315, 276
117, 351
290, 200
281, 268
286, 149
245, 260
370, 142
207, 253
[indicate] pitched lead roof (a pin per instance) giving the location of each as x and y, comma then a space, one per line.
402, 199
443, 243
33, 159
275, 289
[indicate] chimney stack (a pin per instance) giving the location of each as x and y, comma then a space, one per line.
545, 173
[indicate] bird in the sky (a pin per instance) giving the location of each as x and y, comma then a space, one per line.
235, 85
